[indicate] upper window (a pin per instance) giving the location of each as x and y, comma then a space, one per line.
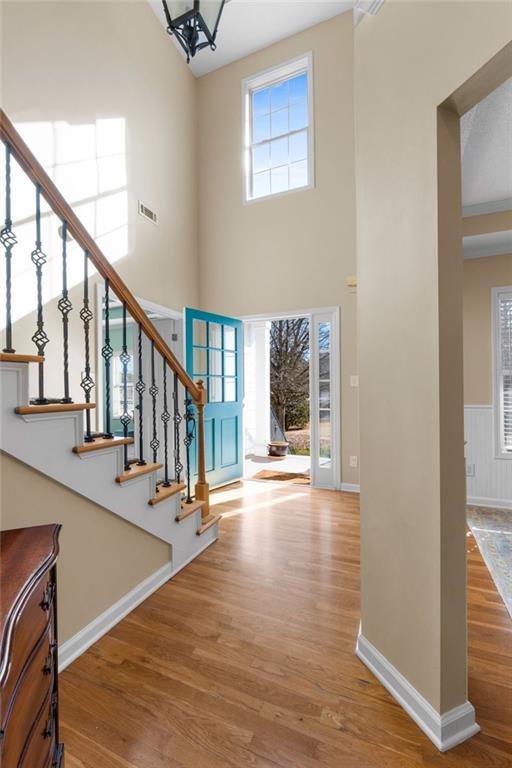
502, 309
279, 129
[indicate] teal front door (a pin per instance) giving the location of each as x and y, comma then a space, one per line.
214, 353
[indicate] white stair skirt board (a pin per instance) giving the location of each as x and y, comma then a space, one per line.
90, 634
45, 443
445, 731
350, 487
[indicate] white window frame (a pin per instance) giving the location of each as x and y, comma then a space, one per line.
500, 452
270, 77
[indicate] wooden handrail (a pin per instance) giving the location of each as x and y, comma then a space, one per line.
35, 171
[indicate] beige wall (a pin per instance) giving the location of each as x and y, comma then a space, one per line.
408, 60
80, 62
102, 556
480, 275
294, 251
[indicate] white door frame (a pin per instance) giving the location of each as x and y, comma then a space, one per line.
316, 315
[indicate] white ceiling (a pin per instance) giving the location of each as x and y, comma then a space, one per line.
486, 145
249, 25
486, 139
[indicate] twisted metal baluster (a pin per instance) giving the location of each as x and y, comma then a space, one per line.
106, 353
8, 240
40, 337
64, 305
165, 418
125, 418
87, 382
190, 434
177, 418
153, 391
141, 388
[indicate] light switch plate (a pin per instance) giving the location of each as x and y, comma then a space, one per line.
354, 381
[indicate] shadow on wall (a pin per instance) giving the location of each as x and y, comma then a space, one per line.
88, 164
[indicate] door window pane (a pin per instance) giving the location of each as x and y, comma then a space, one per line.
215, 386
229, 337
325, 394
324, 336
215, 335
199, 333
229, 364
200, 362
325, 425
229, 390
215, 362
324, 364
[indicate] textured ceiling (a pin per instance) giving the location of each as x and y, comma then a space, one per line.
486, 139
250, 25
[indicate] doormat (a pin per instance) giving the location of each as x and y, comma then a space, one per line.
283, 477
492, 529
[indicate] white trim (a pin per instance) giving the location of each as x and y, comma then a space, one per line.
480, 501
350, 487
287, 314
446, 730
498, 425
74, 647
332, 315
259, 80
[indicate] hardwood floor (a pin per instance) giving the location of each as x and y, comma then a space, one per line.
246, 658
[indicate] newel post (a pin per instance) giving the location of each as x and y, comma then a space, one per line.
202, 487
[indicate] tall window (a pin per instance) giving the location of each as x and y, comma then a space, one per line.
502, 308
279, 130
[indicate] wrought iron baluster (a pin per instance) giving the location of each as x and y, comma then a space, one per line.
141, 388
125, 419
153, 391
165, 419
40, 337
177, 418
64, 305
8, 240
190, 434
87, 382
106, 353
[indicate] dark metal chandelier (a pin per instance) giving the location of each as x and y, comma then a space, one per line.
194, 23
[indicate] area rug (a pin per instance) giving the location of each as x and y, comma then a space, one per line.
492, 529
283, 477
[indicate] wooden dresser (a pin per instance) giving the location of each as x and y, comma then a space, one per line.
29, 736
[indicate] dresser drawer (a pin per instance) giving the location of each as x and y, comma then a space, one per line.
40, 747
31, 624
33, 688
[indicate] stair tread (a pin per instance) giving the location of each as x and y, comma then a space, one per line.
13, 357
166, 493
188, 509
53, 408
102, 442
212, 519
137, 471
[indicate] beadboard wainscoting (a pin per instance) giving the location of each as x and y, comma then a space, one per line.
489, 480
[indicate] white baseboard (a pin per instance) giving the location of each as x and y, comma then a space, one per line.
445, 731
478, 501
350, 487
79, 643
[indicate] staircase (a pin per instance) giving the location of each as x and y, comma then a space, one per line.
162, 488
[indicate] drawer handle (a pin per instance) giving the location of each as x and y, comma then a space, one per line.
50, 722
48, 596
48, 729
48, 665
